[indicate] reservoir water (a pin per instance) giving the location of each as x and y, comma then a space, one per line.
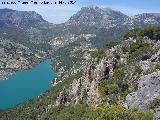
25, 85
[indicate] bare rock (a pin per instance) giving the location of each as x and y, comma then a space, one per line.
148, 90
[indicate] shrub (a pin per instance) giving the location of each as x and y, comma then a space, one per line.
138, 51
111, 44
151, 32
138, 69
118, 112
109, 90
98, 53
155, 104
157, 67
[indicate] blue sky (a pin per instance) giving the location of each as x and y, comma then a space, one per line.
61, 13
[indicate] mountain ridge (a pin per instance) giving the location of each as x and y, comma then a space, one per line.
101, 24
91, 15
96, 16
9, 17
108, 18
95, 75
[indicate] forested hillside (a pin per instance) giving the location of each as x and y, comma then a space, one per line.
119, 81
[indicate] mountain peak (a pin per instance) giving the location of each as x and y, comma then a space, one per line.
93, 7
7, 10
96, 8
100, 17
9, 17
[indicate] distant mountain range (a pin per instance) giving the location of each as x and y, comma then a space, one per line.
95, 16
108, 18
119, 81
9, 17
87, 16
89, 28
91, 67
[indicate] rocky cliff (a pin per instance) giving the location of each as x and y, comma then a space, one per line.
148, 91
115, 72
87, 87
139, 80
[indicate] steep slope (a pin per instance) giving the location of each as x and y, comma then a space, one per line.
13, 18
21, 39
146, 19
119, 76
127, 74
95, 16
37, 34
109, 76
121, 68
108, 18
24, 27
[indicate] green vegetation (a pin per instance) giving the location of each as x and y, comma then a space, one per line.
113, 90
101, 112
77, 112
117, 87
131, 33
151, 32
62, 55
155, 104
84, 112
110, 90
138, 69
118, 112
140, 50
100, 53
157, 67
119, 77
111, 44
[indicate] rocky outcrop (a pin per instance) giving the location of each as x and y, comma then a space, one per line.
158, 113
148, 90
156, 57
86, 88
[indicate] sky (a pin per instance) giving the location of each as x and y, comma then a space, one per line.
61, 13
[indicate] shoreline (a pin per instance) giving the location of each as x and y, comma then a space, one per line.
4, 74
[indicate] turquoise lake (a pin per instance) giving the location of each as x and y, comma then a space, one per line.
26, 84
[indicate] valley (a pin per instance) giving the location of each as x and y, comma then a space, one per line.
106, 64
40, 39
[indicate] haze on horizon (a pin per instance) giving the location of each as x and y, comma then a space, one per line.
61, 13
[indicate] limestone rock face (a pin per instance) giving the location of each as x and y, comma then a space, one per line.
87, 87
156, 57
148, 90
158, 113
146, 71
